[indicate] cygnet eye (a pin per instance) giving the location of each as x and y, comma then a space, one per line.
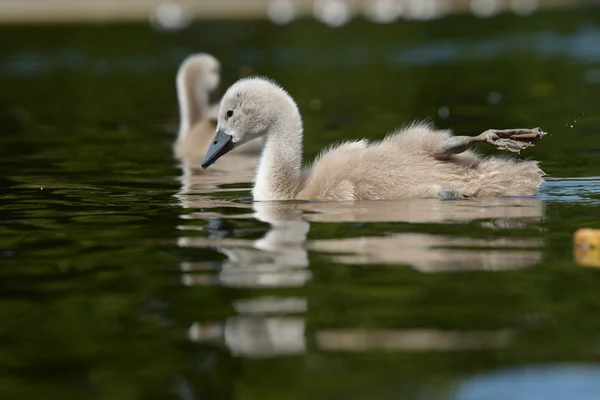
229, 113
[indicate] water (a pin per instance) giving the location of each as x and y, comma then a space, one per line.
122, 278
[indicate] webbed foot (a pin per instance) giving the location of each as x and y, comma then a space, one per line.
449, 194
513, 140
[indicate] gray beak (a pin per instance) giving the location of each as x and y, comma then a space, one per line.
221, 144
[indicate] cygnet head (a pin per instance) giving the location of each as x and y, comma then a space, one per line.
250, 108
201, 72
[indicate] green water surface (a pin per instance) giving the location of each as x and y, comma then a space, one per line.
116, 284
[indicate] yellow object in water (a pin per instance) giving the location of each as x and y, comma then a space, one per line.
587, 247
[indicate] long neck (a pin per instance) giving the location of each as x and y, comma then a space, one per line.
279, 170
193, 99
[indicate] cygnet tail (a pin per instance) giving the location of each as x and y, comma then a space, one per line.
501, 176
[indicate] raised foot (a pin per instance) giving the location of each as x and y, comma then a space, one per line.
512, 139
449, 194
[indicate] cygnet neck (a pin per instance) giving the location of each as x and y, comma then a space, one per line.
192, 96
278, 176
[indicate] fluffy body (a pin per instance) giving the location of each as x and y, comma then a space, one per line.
411, 163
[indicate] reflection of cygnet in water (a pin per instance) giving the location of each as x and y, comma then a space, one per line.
412, 339
262, 330
429, 253
264, 327
496, 213
255, 336
432, 253
267, 327
278, 259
